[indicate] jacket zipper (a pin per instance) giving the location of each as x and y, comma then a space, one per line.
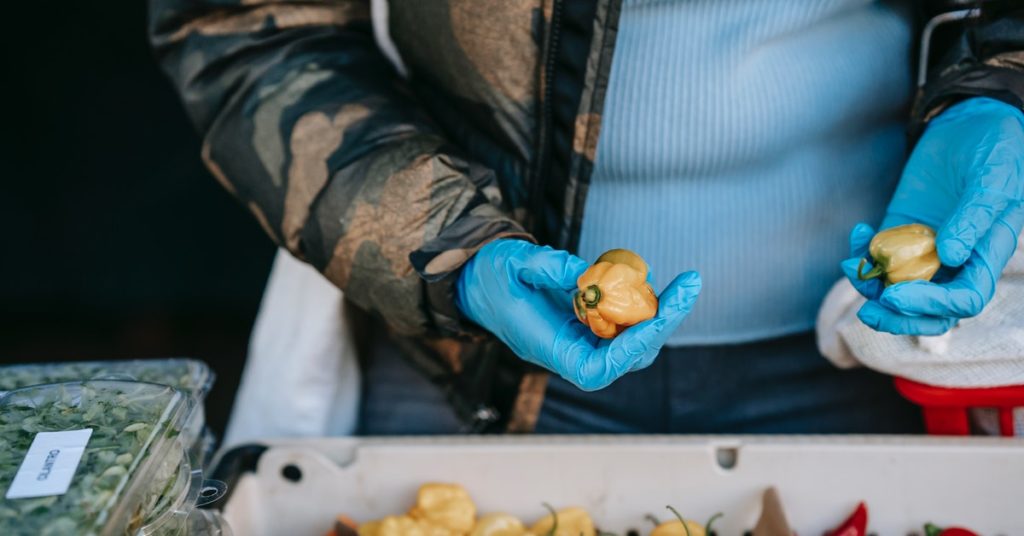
486, 415
543, 165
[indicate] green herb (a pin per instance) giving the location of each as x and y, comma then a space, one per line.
184, 374
121, 444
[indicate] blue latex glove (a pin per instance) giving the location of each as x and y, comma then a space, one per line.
965, 179
522, 293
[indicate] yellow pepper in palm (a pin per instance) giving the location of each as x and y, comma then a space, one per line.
614, 294
902, 253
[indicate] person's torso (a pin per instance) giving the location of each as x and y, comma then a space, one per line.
744, 139
534, 111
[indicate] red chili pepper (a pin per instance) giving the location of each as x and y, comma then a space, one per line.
855, 525
932, 530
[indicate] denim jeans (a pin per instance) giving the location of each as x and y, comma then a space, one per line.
777, 386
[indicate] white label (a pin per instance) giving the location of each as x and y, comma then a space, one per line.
50, 464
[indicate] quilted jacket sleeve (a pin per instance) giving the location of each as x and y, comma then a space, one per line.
309, 126
983, 56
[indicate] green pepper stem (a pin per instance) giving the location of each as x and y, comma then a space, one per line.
707, 526
554, 519
686, 527
876, 271
591, 296
577, 305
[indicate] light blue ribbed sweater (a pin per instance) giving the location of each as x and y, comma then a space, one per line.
743, 139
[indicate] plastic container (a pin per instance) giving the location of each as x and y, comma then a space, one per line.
174, 511
950, 411
190, 376
299, 486
206, 523
134, 465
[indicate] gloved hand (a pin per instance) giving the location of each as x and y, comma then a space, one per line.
522, 293
965, 179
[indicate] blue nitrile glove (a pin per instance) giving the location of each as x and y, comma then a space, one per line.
965, 179
522, 293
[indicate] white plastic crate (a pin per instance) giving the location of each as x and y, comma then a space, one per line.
906, 481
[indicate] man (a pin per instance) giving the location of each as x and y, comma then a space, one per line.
740, 139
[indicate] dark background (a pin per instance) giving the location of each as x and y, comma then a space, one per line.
116, 242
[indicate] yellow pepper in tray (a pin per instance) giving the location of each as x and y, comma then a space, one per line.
445, 505
902, 253
568, 522
499, 524
402, 525
614, 293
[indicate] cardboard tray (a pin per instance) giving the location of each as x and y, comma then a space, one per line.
297, 487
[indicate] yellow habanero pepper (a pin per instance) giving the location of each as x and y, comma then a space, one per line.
445, 505
403, 525
499, 524
676, 528
614, 294
567, 522
902, 253
684, 527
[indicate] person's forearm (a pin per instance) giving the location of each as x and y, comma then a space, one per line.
307, 123
969, 51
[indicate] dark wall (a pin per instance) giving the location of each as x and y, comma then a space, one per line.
116, 242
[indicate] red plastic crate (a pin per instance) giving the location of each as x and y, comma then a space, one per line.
949, 411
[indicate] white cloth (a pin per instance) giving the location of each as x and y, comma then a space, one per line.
301, 377
984, 351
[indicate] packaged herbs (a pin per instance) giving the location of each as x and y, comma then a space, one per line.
130, 461
188, 375
191, 376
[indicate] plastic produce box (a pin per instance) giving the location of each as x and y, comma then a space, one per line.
968, 411
103, 457
188, 375
298, 487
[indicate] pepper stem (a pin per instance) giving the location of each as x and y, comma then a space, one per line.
554, 519
591, 296
681, 519
707, 526
577, 305
876, 271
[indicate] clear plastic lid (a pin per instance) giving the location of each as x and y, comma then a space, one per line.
206, 523
131, 460
189, 375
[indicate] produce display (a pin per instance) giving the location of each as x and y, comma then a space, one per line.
194, 378
129, 467
188, 375
614, 293
902, 253
448, 510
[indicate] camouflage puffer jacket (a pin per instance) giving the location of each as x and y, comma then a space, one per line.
387, 184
